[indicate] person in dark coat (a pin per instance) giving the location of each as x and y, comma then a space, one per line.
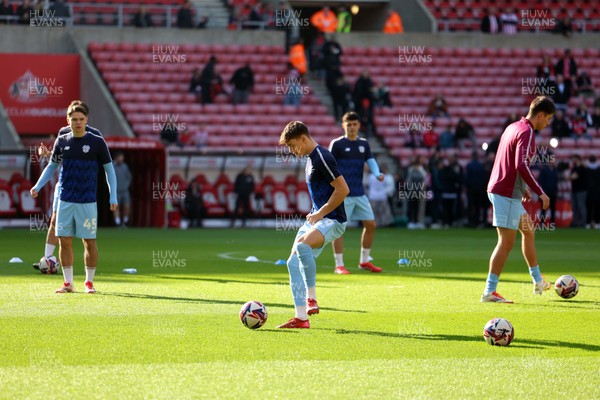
243, 188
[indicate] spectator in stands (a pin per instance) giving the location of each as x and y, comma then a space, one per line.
593, 192
436, 166
393, 23
382, 95
297, 56
464, 133
142, 19
6, 10
194, 204
169, 134
255, 20
490, 22
583, 112
199, 137
341, 94
61, 10
195, 83
415, 139
493, 146
512, 117
24, 11
243, 188
438, 107
565, 27
185, 19
596, 119
451, 178
545, 71
316, 55
293, 88
390, 187
324, 20
123, 175
567, 67
560, 126
579, 127
378, 197
415, 188
584, 85
447, 138
476, 185
561, 93
332, 53
344, 18
509, 21
243, 83
210, 81
578, 192
431, 139
548, 180
364, 102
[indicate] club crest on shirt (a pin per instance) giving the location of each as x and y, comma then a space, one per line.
361, 149
347, 149
67, 147
86, 148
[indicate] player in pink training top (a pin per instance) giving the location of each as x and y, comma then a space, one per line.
508, 188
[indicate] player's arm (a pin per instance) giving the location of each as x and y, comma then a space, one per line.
111, 179
374, 168
525, 145
48, 172
340, 191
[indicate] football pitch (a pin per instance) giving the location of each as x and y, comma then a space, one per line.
172, 331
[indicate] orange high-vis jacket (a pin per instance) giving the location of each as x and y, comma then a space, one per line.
324, 23
393, 24
298, 57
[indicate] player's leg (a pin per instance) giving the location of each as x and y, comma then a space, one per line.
364, 213
65, 230
51, 239
506, 216
297, 285
527, 228
86, 217
338, 244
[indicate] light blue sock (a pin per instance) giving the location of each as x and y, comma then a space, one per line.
296, 280
309, 265
535, 273
491, 283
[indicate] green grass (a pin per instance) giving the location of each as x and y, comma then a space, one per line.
172, 331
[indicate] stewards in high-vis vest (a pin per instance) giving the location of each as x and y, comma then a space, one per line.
393, 23
344, 18
324, 20
298, 57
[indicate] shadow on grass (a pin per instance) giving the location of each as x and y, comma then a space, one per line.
208, 301
521, 343
228, 280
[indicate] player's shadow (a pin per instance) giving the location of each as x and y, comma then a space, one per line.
521, 343
216, 280
209, 301
456, 278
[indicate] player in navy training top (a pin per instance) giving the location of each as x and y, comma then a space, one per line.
351, 152
51, 239
80, 153
325, 223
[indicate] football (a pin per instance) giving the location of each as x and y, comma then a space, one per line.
498, 332
566, 286
253, 314
49, 265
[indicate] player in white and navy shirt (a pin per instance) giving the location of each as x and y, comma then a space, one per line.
325, 223
351, 153
80, 154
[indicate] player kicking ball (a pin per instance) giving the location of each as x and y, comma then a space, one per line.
80, 153
351, 152
507, 189
325, 223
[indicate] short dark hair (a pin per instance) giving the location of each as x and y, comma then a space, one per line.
350, 116
293, 130
542, 104
78, 106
